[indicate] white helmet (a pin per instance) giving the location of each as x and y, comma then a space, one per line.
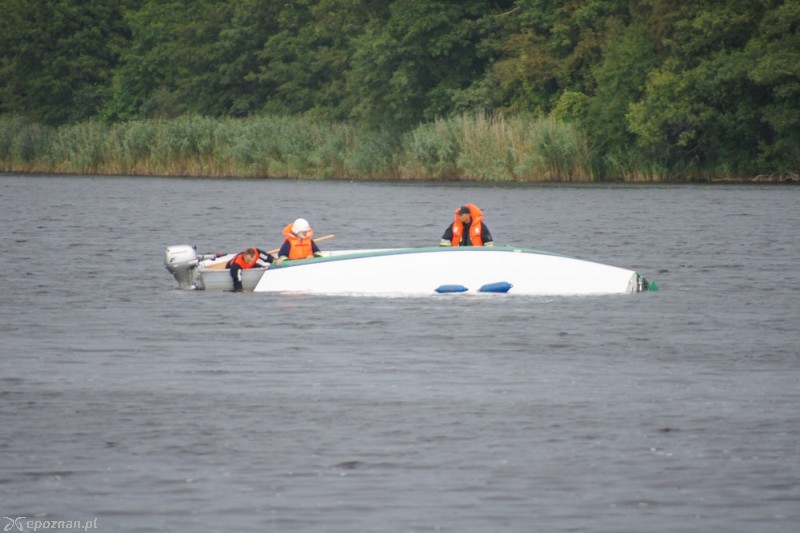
299, 225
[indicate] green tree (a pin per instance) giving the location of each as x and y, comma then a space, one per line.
173, 64
629, 56
57, 56
304, 62
551, 47
775, 68
701, 110
420, 62
240, 48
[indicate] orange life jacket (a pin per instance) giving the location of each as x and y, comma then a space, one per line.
299, 248
475, 228
239, 260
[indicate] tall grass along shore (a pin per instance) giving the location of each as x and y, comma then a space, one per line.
469, 147
466, 147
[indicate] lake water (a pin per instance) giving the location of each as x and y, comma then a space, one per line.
149, 408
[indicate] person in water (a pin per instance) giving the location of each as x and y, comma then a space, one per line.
467, 229
250, 258
299, 243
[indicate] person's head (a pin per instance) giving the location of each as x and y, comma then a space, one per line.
249, 255
464, 214
301, 227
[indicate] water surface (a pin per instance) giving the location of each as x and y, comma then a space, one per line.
155, 409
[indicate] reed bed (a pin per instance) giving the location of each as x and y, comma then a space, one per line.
475, 147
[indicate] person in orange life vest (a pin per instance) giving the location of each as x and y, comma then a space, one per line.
250, 258
299, 243
467, 229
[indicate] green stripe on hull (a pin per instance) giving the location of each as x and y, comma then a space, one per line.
403, 251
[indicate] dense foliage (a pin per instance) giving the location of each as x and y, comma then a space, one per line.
660, 89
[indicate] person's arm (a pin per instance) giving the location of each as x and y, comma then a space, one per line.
315, 249
447, 237
264, 258
486, 235
283, 253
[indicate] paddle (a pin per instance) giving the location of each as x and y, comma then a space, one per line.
221, 265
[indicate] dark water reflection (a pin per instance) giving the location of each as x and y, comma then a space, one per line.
150, 408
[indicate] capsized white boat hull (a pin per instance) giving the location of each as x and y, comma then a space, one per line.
421, 271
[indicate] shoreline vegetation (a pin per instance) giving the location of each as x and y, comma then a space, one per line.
467, 147
507, 91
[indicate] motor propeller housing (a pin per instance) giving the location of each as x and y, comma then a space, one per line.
181, 261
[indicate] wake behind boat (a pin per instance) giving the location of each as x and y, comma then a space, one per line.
413, 272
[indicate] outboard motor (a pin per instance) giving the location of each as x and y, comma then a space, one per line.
181, 260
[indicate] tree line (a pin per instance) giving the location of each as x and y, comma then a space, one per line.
693, 90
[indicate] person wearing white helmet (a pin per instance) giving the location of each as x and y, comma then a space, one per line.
299, 242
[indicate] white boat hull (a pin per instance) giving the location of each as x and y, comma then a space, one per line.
421, 271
